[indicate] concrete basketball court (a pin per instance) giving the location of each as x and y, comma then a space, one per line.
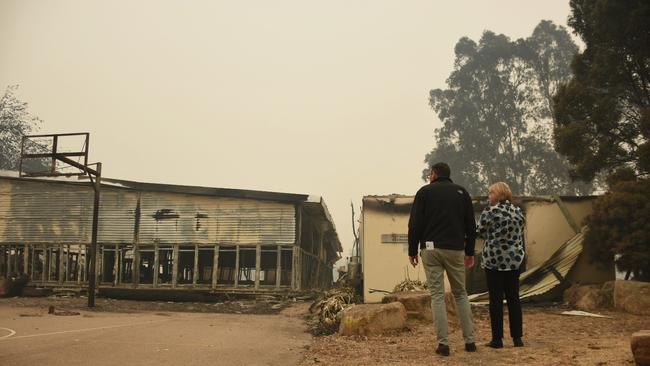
30, 336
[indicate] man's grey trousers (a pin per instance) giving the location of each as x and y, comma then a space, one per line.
436, 262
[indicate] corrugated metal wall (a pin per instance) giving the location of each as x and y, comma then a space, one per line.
176, 218
117, 208
35, 212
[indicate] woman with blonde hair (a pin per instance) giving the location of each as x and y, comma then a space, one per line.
502, 226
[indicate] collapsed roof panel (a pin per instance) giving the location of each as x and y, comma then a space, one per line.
546, 276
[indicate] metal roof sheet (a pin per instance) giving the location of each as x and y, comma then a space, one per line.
547, 275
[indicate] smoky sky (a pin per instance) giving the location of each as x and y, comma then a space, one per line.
320, 97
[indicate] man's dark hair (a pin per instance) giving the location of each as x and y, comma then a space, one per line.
441, 169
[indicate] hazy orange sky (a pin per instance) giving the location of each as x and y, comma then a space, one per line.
319, 97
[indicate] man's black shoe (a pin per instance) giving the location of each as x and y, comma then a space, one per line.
495, 344
442, 350
518, 342
470, 347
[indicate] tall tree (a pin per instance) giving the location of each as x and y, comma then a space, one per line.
602, 115
618, 228
496, 112
15, 122
551, 52
602, 124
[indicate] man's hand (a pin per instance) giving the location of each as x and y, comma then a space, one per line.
469, 261
413, 260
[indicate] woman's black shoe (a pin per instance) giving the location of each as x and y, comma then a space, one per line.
442, 350
495, 344
518, 342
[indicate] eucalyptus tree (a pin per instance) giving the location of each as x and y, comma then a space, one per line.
496, 112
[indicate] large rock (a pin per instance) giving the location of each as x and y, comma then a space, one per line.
416, 303
587, 298
371, 319
640, 345
608, 293
632, 296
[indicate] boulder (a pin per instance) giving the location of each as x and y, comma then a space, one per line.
573, 294
587, 298
372, 319
608, 293
640, 345
632, 296
416, 303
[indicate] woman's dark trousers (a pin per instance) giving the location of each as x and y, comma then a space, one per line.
500, 282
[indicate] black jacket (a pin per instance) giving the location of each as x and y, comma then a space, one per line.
442, 212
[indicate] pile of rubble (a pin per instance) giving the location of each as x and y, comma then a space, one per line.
326, 311
13, 285
339, 310
410, 285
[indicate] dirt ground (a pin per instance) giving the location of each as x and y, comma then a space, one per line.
119, 332
267, 305
271, 332
550, 339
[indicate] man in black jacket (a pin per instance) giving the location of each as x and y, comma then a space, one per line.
442, 226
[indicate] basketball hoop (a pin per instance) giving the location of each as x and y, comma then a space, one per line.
65, 154
55, 155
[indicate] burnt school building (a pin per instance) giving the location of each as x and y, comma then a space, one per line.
161, 236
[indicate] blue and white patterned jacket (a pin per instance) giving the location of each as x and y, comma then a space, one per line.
502, 227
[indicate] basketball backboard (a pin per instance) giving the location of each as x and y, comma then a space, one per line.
64, 154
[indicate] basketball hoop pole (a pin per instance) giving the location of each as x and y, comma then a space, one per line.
93, 245
65, 157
